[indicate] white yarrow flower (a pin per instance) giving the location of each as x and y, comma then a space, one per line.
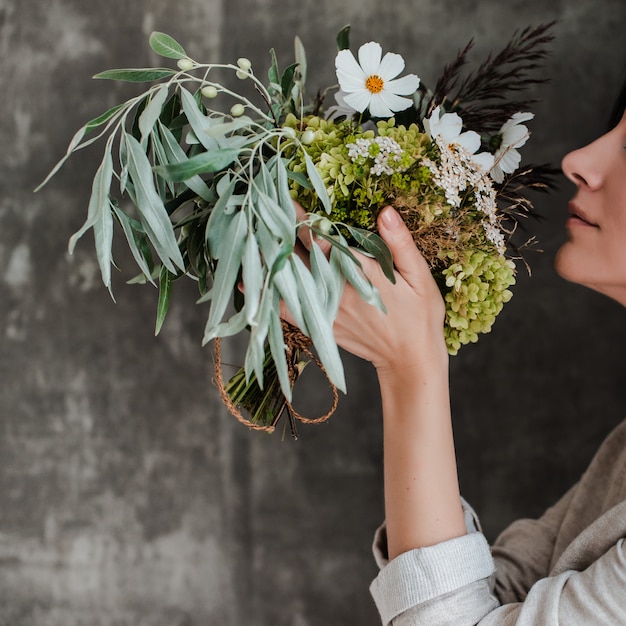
448, 127
371, 82
514, 135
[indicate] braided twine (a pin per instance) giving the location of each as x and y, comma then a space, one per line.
295, 342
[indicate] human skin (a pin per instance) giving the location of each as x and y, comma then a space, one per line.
594, 254
407, 347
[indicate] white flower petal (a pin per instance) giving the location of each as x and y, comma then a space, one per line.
509, 160
496, 173
469, 140
391, 65
395, 102
515, 136
378, 107
346, 63
517, 118
483, 161
404, 86
359, 100
369, 57
449, 127
350, 82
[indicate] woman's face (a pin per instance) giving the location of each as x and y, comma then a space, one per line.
595, 252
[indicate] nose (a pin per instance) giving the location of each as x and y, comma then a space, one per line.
583, 166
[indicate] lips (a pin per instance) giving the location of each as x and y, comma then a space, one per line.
579, 216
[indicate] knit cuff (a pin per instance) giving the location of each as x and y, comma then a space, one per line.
426, 573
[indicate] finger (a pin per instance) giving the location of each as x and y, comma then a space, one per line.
406, 257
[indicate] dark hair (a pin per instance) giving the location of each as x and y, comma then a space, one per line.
618, 107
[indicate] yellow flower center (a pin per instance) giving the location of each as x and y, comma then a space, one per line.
374, 83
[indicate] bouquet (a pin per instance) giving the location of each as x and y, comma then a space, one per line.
206, 178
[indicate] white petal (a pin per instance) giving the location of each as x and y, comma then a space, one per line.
391, 65
483, 161
404, 86
369, 57
517, 118
359, 100
515, 136
497, 174
395, 102
346, 63
350, 82
449, 127
378, 107
469, 140
509, 160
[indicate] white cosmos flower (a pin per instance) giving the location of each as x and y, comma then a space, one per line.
514, 135
341, 108
448, 127
371, 82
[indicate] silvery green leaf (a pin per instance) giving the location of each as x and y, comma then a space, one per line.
197, 120
272, 214
203, 163
142, 75
254, 359
152, 111
272, 73
217, 127
219, 221
283, 278
373, 244
252, 277
225, 276
75, 144
99, 216
223, 185
176, 155
328, 276
354, 275
265, 181
284, 197
233, 326
343, 38
300, 178
105, 117
150, 206
320, 328
279, 353
162, 157
258, 332
191, 139
166, 46
317, 182
300, 56
132, 243
287, 80
165, 293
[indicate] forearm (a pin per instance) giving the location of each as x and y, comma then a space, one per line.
422, 499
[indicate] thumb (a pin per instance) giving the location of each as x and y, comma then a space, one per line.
406, 257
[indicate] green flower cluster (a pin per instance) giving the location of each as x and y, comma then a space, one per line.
356, 192
474, 277
477, 288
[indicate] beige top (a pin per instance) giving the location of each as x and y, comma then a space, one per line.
568, 567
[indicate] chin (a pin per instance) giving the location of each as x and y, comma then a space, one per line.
568, 264
572, 266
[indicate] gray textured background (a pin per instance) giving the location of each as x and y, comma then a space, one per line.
127, 495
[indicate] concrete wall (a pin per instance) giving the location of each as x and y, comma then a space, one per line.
127, 495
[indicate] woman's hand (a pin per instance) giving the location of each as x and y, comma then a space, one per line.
411, 331
407, 347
